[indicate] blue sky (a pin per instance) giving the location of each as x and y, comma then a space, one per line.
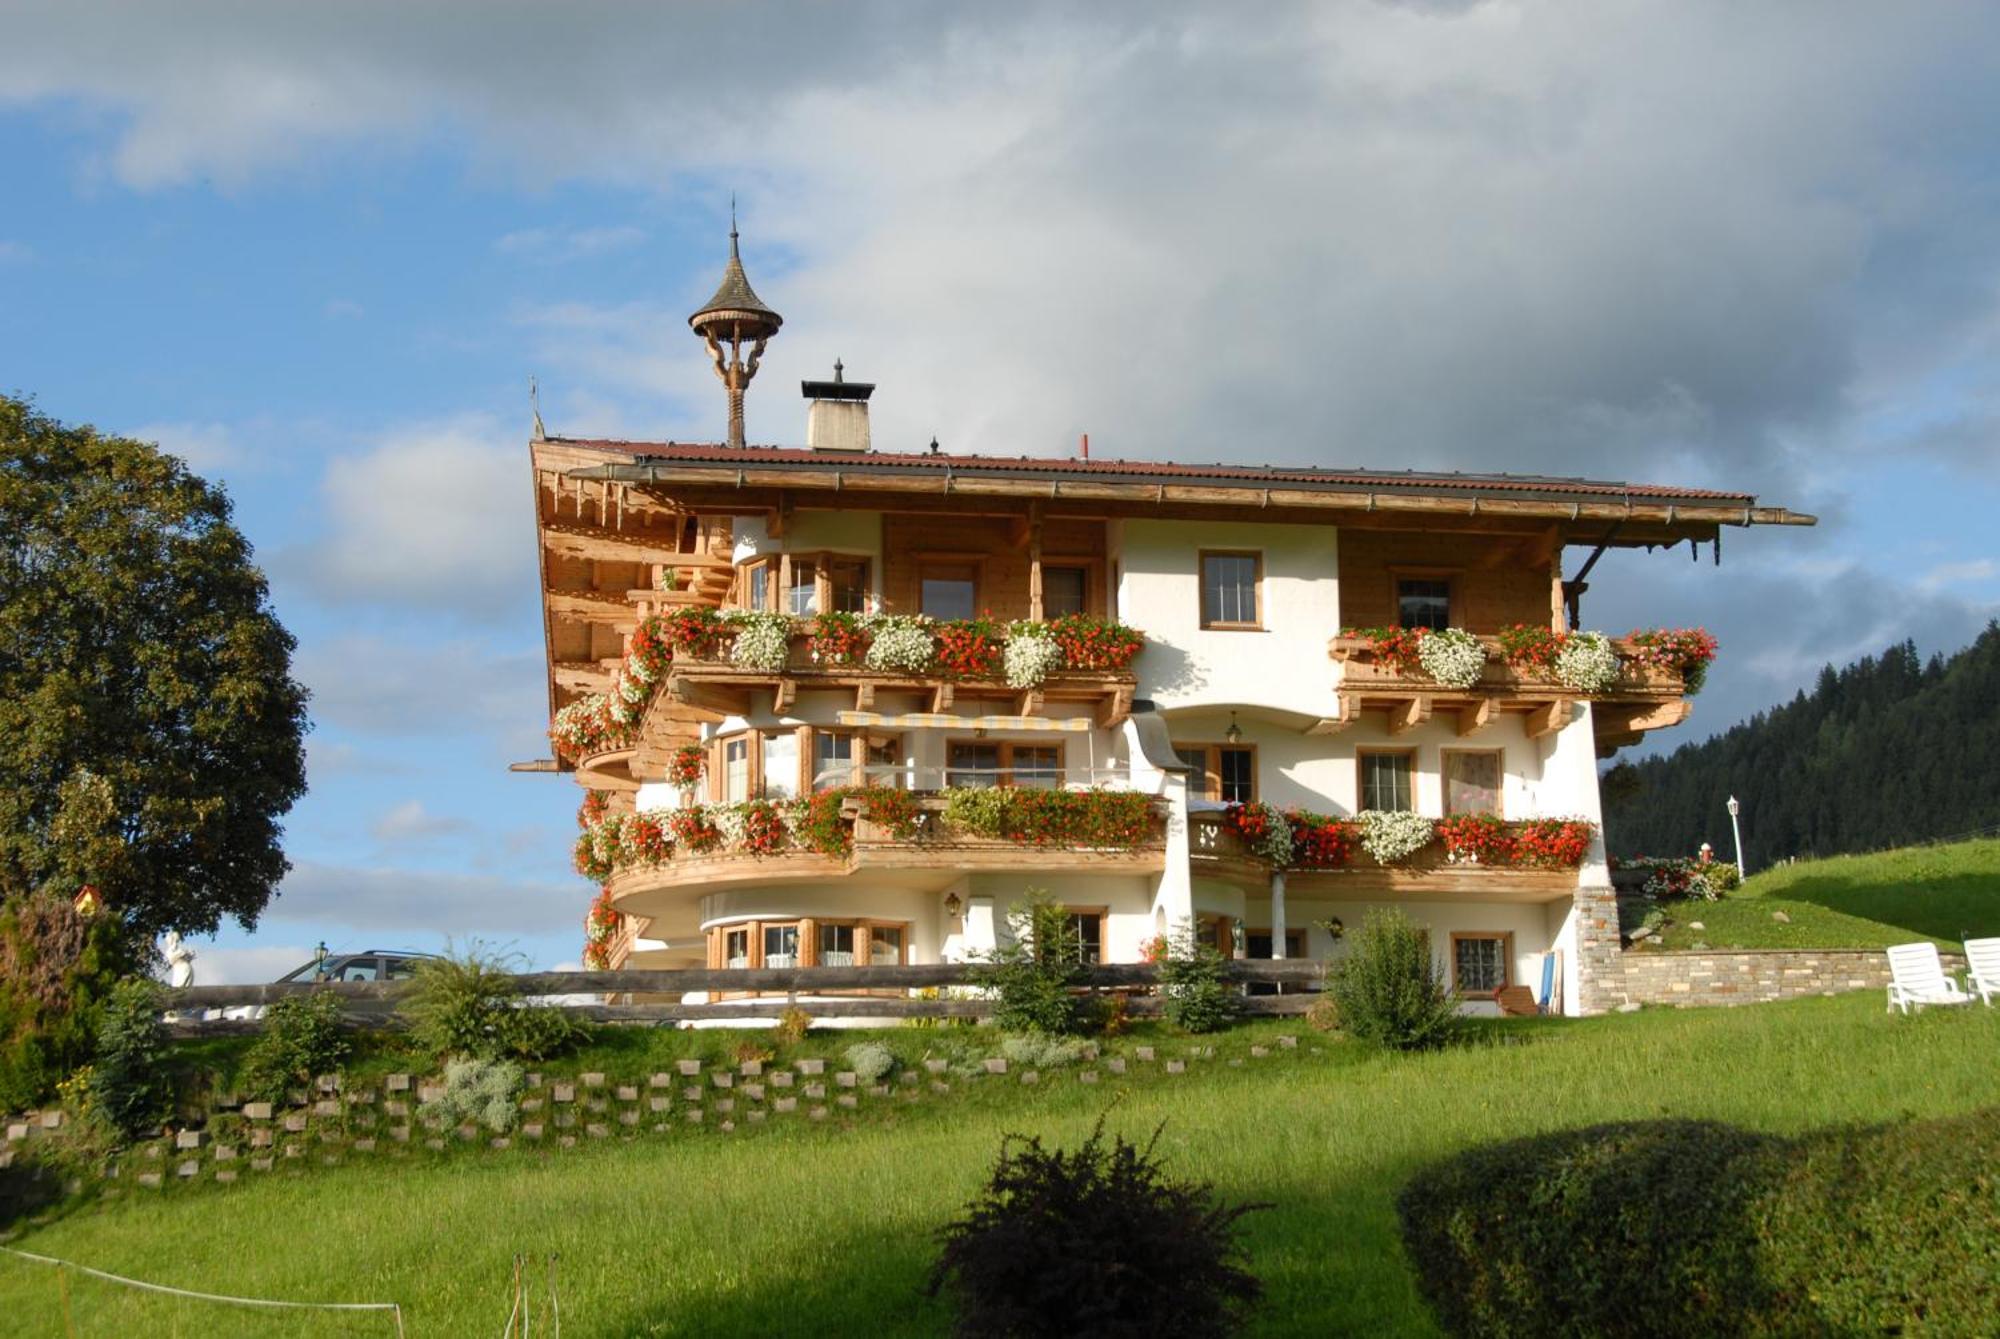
320, 249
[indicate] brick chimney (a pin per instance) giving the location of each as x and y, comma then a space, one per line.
837, 419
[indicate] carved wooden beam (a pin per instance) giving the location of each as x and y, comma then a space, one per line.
583, 540
1029, 703
1473, 719
784, 695
941, 698
864, 696
1549, 717
583, 676
1408, 714
1116, 708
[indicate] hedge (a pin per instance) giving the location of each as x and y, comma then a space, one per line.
1683, 1227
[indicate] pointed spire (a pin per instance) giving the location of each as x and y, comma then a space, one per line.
735, 301
535, 404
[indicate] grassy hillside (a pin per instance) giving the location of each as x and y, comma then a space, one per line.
800, 1229
1945, 893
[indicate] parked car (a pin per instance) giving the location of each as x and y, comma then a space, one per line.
373, 964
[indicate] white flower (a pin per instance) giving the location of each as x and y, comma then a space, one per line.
1031, 653
900, 644
1453, 657
763, 641
1587, 663
1392, 836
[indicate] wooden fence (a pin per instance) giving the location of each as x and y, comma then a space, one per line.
656, 996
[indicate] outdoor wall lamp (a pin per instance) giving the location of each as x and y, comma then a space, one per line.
1234, 734
952, 904
319, 962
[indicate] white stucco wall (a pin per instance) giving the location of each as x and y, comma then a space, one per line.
1283, 666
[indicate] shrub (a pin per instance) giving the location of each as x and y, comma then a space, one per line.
465, 1004
1096, 1241
56, 971
1323, 1015
792, 1026
484, 1092
1035, 972
1387, 989
1036, 1051
871, 1061
301, 1037
1692, 1227
1196, 995
129, 1084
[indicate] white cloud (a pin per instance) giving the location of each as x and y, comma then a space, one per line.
373, 685
384, 904
555, 245
411, 823
1953, 574
204, 446
344, 309
435, 515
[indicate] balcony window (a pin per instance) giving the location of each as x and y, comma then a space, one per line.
781, 766
949, 590
802, 595
1387, 781
978, 763
1065, 590
1479, 962
1423, 602
1086, 936
973, 765
833, 760
885, 945
1471, 782
736, 948
1230, 590
781, 945
836, 946
755, 586
736, 769
1222, 772
847, 579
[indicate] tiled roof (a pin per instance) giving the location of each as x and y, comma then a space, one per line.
693, 453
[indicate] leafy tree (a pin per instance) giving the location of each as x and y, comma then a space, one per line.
1388, 990
1035, 973
150, 729
1889, 751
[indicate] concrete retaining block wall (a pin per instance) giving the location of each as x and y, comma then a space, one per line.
1747, 976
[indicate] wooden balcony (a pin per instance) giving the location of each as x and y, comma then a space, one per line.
938, 853
1216, 852
1103, 696
1643, 699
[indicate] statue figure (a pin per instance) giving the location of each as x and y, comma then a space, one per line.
180, 960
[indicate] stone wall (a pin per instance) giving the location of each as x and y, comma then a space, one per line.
1743, 976
1600, 969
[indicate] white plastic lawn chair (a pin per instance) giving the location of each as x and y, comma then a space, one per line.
1916, 978
1982, 961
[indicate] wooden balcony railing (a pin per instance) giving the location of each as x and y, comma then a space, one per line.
1644, 698
719, 685
1215, 849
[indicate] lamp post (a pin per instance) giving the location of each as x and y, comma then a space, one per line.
1736, 834
319, 961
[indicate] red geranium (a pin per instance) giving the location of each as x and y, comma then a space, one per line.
1394, 648
695, 631
684, 769
1478, 837
764, 831
694, 830
596, 803
1555, 843
646, 837
1092, 643
837, 639
1320, 842
968, 648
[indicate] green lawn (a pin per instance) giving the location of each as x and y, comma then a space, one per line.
1945, 893
797, 1229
